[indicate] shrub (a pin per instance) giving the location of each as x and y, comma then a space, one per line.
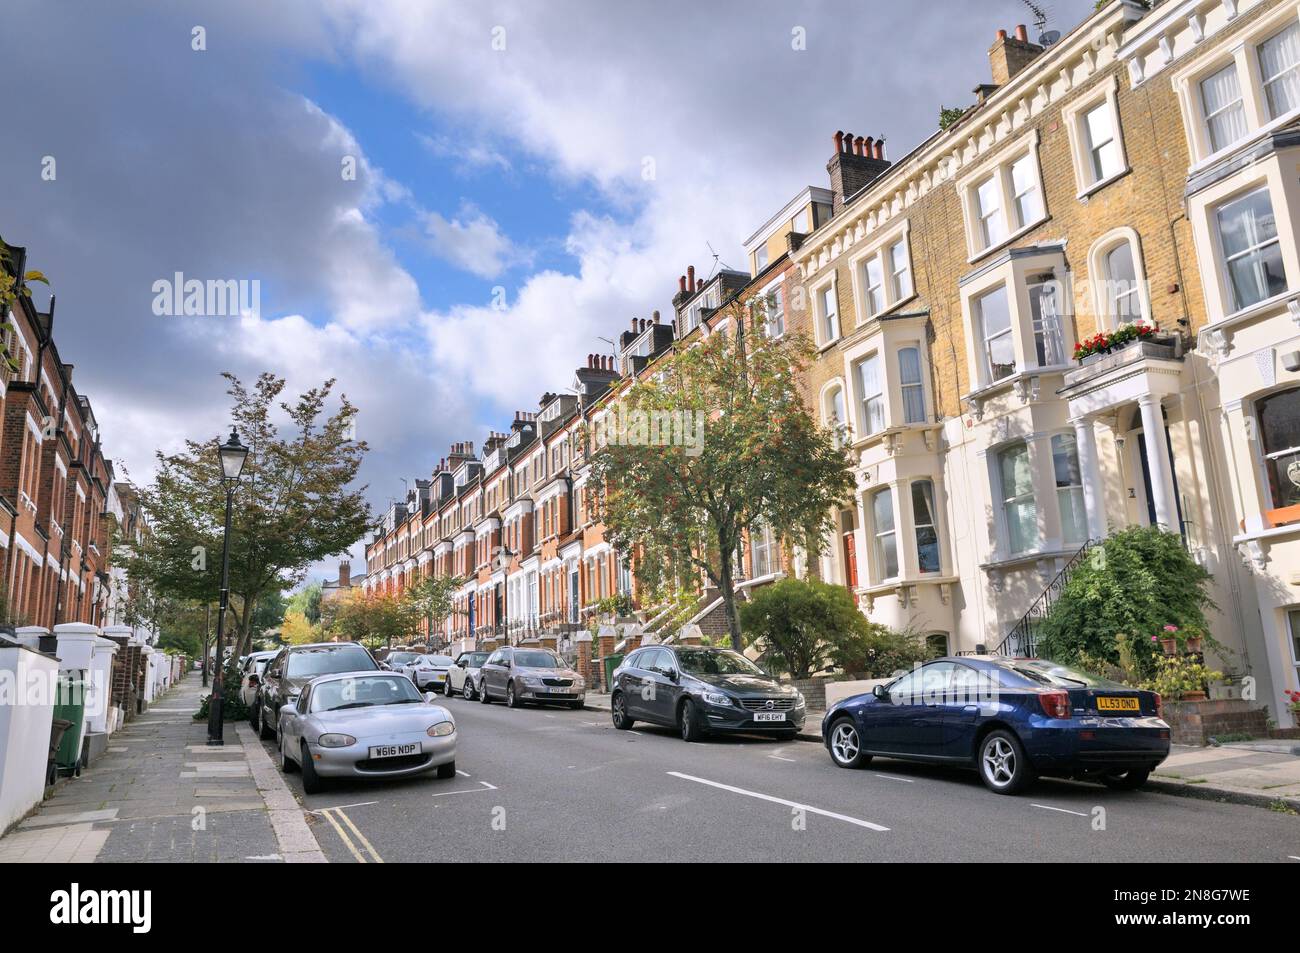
797, 619
879, 651
1176, 675
1134, 583
232, 706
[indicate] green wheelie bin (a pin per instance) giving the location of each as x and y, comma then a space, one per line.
70, 705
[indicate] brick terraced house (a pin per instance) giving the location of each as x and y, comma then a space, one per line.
55, 482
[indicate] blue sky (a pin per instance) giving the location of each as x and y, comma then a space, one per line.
480, 164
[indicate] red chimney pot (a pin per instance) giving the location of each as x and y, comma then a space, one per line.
1002, 34
1022, 34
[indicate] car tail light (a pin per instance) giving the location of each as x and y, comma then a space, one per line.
1160, 706
1055, 704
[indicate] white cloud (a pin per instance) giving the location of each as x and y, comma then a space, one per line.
471, 241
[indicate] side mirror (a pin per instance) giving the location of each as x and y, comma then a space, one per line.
463, 663
671, 674
253, 680
880, 692
430, 698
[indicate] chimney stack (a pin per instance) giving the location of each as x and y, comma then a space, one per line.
856, 162
690, 277
345, 575
1010, 54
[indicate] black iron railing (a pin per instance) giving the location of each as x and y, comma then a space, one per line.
1022, 640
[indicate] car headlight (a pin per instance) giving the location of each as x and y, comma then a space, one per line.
334, 740
579, 685
530, 679
799, 700
717, 698
441, 730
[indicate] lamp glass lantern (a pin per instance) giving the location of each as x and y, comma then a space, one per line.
233, 454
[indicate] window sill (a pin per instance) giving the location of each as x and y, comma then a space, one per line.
885, 313
1257, 310
1017, 234
1100, 184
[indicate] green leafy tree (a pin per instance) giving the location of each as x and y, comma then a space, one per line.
756, 458
1133, 584
307, 601
432, 599
295, 505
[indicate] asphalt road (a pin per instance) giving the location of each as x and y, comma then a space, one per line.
559, 785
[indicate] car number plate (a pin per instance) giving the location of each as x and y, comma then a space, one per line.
1109, 703
394, 751
769, 716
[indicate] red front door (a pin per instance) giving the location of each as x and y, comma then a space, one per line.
851, 565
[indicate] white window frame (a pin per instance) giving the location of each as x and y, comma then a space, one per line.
998, 170
985, 355
1005, 501
1266, 81
1075, 117
879, 252
844, 435
878, 536
918, 385
866, 400
827, 335
1100, 277
1223, 260
772, 288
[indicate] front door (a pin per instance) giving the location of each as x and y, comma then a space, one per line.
851, 564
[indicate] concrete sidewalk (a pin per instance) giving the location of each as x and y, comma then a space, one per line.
161, 794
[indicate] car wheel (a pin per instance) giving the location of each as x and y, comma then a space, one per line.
467, 690
846, 745
311, 781
447, 771
618, 712
253, 709
1129, 780
286, 762
1003, 764
688, 720
446, 688
511, 700
577, 706
483, 693
263, 732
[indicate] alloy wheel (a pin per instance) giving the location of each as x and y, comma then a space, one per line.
844, 743
999, 762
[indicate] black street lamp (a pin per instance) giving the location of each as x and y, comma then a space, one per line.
233, 454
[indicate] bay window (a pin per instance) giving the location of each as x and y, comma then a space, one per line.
1279, 67
886, 539
909, 376
1223, 108
994, 316
1045, 310
1252, 254
927, 535
1018, 506
873, 398
1069, 489
1279, 428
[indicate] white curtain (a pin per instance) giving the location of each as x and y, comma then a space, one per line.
1225, 115
1279, 57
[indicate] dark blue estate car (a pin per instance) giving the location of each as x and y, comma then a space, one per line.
1011, 719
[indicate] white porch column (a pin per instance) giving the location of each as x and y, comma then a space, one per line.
1157, 447
1085, 439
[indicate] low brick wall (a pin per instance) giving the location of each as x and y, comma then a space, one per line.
1195, 723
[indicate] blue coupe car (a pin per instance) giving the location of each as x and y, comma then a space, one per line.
1011, 719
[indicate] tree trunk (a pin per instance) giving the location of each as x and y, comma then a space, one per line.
729, 600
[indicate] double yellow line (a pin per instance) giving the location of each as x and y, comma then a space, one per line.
334, 815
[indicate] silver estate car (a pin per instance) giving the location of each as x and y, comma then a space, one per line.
518, 675
365, 725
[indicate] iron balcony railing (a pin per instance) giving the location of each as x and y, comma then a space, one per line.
1022, 641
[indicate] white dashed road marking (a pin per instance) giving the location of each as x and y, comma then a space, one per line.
780, 800
1048, 807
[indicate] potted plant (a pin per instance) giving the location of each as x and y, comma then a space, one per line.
1169, 641
1104, 342
1293, 705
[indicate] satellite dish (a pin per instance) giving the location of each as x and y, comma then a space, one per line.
1050, 37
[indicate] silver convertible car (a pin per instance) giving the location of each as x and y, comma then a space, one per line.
365, 725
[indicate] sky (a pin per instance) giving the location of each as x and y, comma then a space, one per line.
528, 177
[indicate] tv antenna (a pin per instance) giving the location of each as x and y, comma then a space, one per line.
717, 260
1046, 37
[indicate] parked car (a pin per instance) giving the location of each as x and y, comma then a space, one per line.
250, 673
365, 725
516, 675
398, 661
1011, 719
429, 671
294, 666
701, 690
462, 678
